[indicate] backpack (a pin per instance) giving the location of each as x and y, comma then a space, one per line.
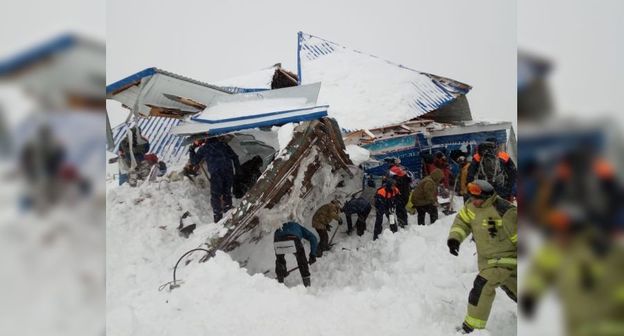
490, 166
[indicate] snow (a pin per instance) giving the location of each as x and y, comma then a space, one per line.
238, 109
364, 91
402, 284
285, 134
258, 80
357, 154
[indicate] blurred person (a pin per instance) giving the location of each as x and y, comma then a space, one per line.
583, 257
463, 177
402, 182
287, 240
48, 174
385, 205
496, 167
222, 164
361, 207
492, 221
441, 162
321, 222
424, 198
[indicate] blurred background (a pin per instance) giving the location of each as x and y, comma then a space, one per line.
52, 211
571, 156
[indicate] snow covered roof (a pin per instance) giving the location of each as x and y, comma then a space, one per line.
153, 88
258, 109
66, 65
366, 91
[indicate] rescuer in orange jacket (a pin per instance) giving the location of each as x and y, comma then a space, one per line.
385, 204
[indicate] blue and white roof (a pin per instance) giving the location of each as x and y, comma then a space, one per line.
258, 109
169, 147
366, 91
59, 67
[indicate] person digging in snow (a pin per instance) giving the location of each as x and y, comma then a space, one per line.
222, 164
424, 198
287, 240
360, 207
492, 221
385, 205
321, 223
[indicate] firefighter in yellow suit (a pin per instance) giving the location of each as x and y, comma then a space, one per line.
492, 221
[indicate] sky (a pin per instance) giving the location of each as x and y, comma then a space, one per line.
470, 41
584, 41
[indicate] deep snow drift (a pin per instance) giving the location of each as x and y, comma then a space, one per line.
403, 284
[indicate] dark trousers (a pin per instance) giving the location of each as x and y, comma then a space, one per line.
360, 224
281, 270
430, 209
323, 242
220, 193
379, 215
401, 212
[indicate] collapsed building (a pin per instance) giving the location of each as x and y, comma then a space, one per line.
337, 97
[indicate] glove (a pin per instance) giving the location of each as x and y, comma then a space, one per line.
453, 246
340, 221
311, 259
329, 227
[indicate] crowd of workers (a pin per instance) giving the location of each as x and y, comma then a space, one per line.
486, 182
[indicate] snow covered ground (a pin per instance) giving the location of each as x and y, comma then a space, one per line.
402, 284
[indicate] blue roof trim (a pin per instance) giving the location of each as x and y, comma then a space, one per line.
273, 122
255, 116
37, 53
134, 78
235, 89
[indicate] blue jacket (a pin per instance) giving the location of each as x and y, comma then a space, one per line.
219, 157
295, 229
356, 206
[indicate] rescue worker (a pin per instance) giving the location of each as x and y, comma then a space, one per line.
424, 198
441, 162
292, 233
362, 208
132, 150
222, 164
385, 205
492, 221
463, 177
247, 176
321, 223
583, 258
494, 166
402, 182
587, 275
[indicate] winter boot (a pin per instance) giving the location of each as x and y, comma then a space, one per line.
306, 281
465, 328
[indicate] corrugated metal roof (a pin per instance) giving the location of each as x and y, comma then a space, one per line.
37, 53
169, 147
44, 50
350, 77
136, 77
